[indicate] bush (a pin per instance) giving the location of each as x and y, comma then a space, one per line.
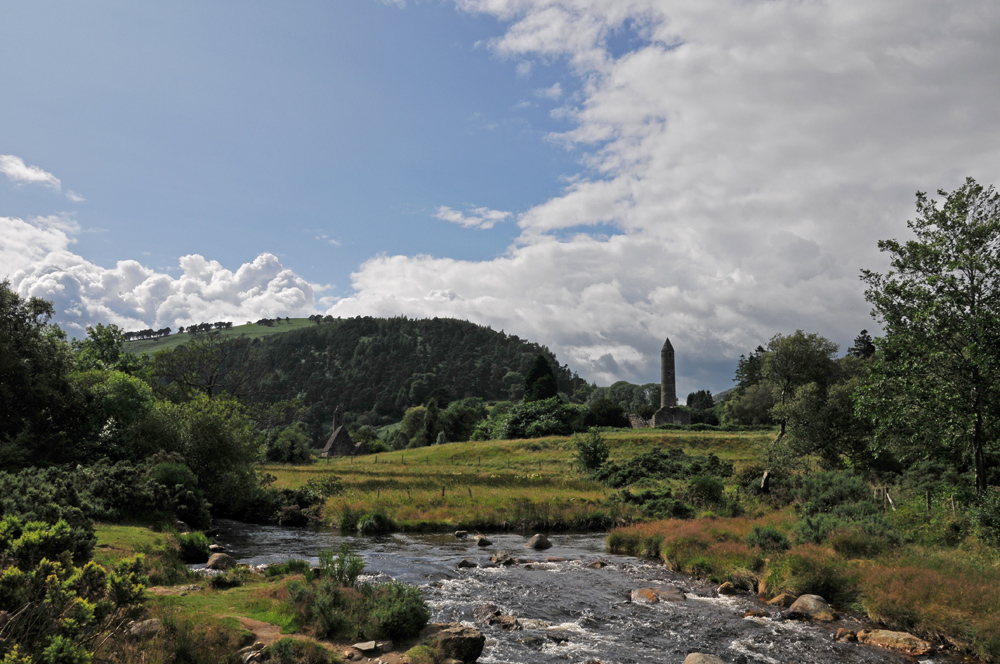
231, 578
985, 517
398, 611
344, 567
375, 523
291, 566
705, 490
294, 651
767, 538
290, 445
193, 547
591, 450
661, 464
379, 611
657, 504
535, 419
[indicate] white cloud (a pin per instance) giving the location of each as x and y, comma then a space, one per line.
750, 155
37, 255
20, 173
554, 91
480, 217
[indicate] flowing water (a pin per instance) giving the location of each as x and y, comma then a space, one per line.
570, 614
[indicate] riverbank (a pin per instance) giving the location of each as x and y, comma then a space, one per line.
946, 595
498, 485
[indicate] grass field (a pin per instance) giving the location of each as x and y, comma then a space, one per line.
251, 331
497, 485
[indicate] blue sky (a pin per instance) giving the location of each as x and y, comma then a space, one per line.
593, 175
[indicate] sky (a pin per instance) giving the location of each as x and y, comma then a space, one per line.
592, 175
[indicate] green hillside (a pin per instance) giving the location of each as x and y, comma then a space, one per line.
250, 331
374, 369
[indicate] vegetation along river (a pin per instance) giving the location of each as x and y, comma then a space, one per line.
569, 612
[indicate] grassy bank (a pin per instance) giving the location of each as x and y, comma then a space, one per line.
497, 485
945, 594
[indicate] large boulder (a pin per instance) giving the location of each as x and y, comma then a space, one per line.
898, 641
810, 607
221, 561
784, 600
146, 627
539, 541
644, 596
669, 594
482, 540
702, 658
455, 641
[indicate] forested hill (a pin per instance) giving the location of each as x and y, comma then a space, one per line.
376, 368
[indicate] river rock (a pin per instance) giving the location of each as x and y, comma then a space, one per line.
727, 589
508, 623
644, 596
502, 558
846, 636
784, 600
486, 613
461, 534
597, 564
455, 640
366, 646
146, 627
755, 613
669, 594
539, 541
555, 559
810, 607
898, 641
702, 658
221, 561
466, 562
482, 541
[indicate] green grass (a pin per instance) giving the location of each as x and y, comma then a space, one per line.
251, 331
262, 600
497, 484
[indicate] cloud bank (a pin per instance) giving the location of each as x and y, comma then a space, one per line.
747, 157
38, 262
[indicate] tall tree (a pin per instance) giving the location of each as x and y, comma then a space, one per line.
934, 387
540, 383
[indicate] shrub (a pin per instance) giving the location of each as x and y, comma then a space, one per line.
607, 413
398, 610
231, 578
985, 517
767, 538
656, 503
294, 651
193, 547
375, 523
661, 464
705, 490
345, 567
291, 566
535, 419
591, 450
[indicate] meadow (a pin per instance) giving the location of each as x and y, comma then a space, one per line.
497, 485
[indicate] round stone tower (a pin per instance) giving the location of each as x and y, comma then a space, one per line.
668, 387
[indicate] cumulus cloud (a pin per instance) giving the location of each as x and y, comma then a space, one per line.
20, 173
748, 157
480, 217
40, 264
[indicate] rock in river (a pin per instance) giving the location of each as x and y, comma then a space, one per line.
810, 607
539, 541
702, 658
898, 641
455, 641
482, 541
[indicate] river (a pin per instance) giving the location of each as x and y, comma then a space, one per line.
570, 614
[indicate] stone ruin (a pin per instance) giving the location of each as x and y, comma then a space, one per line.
340, 442
669, 412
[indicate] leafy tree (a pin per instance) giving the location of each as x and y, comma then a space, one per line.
934, 387
700, 400
41, 413
750, 368
104, 348
540, 383
591, 450
208, 364
413, 421
427, 435
864, 346
460, 418
607, 413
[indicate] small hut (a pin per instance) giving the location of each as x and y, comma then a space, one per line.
340, 443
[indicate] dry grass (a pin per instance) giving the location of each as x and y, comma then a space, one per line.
497, 484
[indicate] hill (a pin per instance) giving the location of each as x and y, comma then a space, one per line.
376, 368
248, 331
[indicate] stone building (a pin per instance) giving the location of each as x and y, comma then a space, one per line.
669, 413
340, 442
